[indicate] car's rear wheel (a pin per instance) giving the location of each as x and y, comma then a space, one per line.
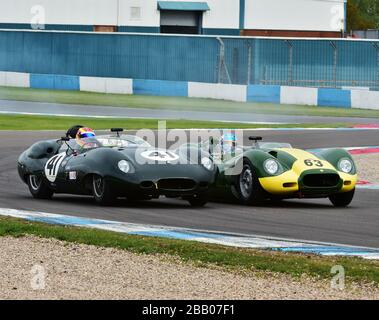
342, 200
248, 188
197, 201
38, 187
102, 191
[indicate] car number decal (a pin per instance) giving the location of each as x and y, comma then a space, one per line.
160, 155
313, 162
52, 166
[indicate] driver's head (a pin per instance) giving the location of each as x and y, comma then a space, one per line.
84, 136
228, 142
72, 132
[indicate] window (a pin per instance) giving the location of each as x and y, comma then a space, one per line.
135, 13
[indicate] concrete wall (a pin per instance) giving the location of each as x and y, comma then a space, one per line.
338, 98
318, 15
14, 79
217, 91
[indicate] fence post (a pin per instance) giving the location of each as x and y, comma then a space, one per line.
222, 61
376, 46
335, 57
249, 62
290, 70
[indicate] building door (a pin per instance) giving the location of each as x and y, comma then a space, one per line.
182, 22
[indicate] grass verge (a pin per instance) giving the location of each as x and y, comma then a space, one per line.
174, 103
30, 122
244, 260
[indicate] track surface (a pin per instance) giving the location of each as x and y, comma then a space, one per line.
313, 220
80, 110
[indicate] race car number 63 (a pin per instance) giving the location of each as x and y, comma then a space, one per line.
313, 162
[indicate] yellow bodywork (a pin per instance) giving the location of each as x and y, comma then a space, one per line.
287, 182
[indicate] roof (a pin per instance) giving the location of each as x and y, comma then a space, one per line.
183, 6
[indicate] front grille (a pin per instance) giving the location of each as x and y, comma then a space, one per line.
321, 180
176, 184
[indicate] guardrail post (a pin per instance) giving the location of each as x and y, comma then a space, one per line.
335, 59
249, 62
290, 67
376, 46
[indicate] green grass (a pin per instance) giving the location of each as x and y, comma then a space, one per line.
174, 103
234, 259
30, 122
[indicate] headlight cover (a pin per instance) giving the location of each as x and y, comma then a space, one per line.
207, 163
345, 165
124, 166
271, 166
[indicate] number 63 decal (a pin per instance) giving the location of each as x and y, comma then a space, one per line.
313, 162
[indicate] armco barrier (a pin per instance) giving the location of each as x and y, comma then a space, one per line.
57, 82
106, 85
298, 95
334, 98
160, 88
14, 79
218, 91
262, 93
362, 99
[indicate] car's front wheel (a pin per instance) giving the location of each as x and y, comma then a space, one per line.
102, 191
38, 187
342, 200
248, 188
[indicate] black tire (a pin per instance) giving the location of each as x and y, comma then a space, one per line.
197, 201
341, 200
101, 191
38, 187
249, 190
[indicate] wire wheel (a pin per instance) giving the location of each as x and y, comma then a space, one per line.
35, 182
38, 188
246, 182
98, 186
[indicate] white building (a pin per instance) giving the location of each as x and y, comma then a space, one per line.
230, 17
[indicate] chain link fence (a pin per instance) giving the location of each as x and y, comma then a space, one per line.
326, 63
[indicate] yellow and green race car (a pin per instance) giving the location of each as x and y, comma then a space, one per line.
277, 171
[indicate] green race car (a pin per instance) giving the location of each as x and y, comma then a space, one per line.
277, 171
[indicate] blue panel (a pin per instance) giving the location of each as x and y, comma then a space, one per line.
160, 88
42, 81
334, 98
262, 93
66, 82
58, 82
219, 31
139, 29
183, 6
242, 14
65, 27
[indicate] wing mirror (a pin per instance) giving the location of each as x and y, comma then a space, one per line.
255, 139
117, 130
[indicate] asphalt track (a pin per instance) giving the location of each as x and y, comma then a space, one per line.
314, 220
117, 112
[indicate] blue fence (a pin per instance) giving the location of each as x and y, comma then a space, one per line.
255, 61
